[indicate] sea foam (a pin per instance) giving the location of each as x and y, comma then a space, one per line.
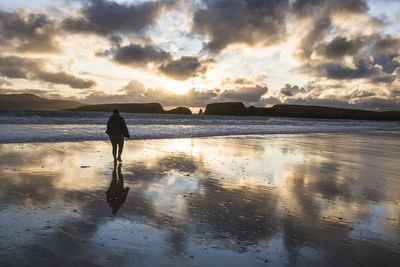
54, 126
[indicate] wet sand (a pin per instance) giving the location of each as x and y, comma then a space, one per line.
272, 200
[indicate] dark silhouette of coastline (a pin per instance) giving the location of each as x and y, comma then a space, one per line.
298, 111
116, 192
29, 101
180, 110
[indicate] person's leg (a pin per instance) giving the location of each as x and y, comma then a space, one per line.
114, 148
120, 148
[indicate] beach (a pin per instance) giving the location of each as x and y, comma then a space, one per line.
321, 199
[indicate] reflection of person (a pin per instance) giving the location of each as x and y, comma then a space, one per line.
116, 193
117, 130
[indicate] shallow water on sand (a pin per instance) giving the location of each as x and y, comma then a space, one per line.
280, 200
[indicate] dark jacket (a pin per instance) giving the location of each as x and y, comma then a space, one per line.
116, 127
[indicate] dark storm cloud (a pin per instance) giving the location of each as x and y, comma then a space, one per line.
312, 7
291, 90
339, 47
375, 45
363, 69
320, 12
386, 43
64, 78
317, 32
32, 69
374, 58
373, 55
27, 31
107, 17
185, 67
249, 22
244, 94
18, 67
137, 55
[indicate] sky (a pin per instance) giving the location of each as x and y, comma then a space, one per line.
343, 53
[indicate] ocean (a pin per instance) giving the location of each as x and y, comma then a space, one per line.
20, 126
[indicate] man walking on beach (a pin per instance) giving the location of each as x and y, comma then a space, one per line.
117, 130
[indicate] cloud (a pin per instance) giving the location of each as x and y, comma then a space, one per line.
135, 94
333, 51
249, 22
386, 43
367, 45
33, 69
336, 95
320, 13
312, 7
40, 92
134, 88
185, 67
339, 47
249, 95
362, 69
229, 81
5, 82
238, 80
374, 103
64, 78
136, 55
26, 31
108, 17
135, 91
291, 90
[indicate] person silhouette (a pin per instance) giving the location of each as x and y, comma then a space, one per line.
117, 130
116, 193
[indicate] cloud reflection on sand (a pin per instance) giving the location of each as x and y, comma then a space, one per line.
309, 199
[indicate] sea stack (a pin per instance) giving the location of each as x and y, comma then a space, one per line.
226, 108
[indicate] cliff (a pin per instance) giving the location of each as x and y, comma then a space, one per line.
299, 111
225, 108
180, 110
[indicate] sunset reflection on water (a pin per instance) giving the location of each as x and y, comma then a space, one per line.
306, 199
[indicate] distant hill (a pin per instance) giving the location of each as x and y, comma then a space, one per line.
179, 110
30, 101
298, 111
226, 108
